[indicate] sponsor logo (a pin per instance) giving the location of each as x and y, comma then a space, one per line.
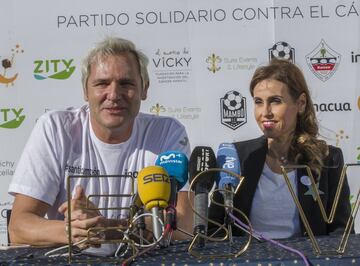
340, 136
203, 161
213, 61
7, 168
323, 61
156, 178
157, 109
282, 50
7, 64
79, 170
332, 107
171, 158
11, 118
53, 69
132, 174
229, 162
233, 110
172, 66
355, 58
181, 113
230, 63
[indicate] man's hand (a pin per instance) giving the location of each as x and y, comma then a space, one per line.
83, 215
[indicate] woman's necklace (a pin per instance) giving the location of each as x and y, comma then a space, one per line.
282, 159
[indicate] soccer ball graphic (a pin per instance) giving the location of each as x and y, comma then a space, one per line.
233, 100
282, 50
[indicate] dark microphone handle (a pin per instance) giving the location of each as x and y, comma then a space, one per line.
171, 217
201, 207
228, 197
140, 224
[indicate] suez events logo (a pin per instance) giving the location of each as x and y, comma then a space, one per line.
179, 112
7, 76
216, 63
53, 69
233, 113
322, 61
11, 118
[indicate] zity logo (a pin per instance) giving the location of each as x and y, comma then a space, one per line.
53, 69
11, 117
7, 64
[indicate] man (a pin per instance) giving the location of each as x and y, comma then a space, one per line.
104, 137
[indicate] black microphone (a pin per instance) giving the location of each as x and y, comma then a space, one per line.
137, 207
202, 158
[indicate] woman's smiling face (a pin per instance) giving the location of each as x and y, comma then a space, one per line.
275, 110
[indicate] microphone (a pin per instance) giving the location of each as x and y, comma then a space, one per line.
136, 207
136, 204
201, 159
176, 164
228, 159
154, 192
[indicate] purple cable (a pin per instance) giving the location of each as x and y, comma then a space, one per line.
261, 236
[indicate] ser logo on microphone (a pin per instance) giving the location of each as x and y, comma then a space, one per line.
156, 178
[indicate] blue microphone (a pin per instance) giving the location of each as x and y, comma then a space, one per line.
228, 159
176, 164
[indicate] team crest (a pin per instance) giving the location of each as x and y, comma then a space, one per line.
233, 110
323, 61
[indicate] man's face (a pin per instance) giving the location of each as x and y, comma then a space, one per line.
114, 92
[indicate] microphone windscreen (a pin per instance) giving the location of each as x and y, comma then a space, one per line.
228, 159
202, 158
176, 165
154, 187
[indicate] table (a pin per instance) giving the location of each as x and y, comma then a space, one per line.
258, 254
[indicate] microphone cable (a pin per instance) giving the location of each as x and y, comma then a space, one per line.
167, 230
258, 235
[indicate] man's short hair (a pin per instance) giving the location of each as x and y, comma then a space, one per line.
113, 46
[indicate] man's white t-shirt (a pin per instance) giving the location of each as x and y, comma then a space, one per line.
63, 144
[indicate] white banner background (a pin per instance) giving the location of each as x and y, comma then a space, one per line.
179, 37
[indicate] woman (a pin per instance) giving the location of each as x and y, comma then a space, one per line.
284, 112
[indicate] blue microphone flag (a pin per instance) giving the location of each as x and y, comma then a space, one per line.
228, 159
176, 164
